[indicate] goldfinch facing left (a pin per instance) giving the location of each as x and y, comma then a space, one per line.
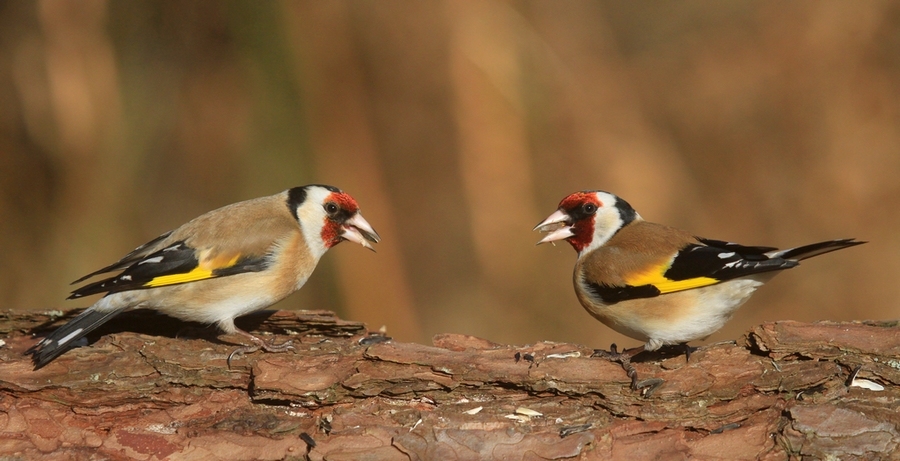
656, 283
223, 264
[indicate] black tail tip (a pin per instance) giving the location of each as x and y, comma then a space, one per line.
847, 243
40, 356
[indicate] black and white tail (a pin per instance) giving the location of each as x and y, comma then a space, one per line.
813, 249
65, 336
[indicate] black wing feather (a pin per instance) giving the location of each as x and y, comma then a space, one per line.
722, 263
244, 264
613, 294
176, 259
750, 253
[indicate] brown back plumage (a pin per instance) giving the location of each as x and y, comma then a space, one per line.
634, 248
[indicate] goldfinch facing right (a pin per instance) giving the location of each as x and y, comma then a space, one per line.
656, 283
221, 265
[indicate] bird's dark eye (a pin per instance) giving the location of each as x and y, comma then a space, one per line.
331, 208
589, 208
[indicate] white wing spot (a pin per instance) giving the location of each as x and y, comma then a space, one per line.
734, 264
726, 255
70, 336
173, 247
151, 260
125, 277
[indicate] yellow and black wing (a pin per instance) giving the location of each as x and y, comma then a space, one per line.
695, 265
711, 262
177, 263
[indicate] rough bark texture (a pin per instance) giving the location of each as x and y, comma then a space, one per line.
151, 388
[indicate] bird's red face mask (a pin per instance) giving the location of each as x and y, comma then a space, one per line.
573, 221
343, 221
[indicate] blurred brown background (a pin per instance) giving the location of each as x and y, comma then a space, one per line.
458, 125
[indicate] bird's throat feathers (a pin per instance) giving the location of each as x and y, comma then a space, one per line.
593, 232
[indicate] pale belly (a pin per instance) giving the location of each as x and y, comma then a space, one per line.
675, 318
213, 301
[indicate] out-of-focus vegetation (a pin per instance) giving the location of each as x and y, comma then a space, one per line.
458, 125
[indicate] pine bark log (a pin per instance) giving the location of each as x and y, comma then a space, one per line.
150, 387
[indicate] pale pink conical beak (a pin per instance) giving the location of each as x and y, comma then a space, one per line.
358, 230
558, 226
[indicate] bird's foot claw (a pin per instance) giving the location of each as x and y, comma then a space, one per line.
271, 347
613, 354
624, 358
260, 344
240, 351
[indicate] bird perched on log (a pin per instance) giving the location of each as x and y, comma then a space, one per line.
659, 284
223, 264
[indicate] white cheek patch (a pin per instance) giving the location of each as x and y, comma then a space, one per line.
606, 223
311, 215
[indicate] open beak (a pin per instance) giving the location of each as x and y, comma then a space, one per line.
558, 225
358, 230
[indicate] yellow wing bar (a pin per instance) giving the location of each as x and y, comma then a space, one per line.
200, 272
174, 279
656, 278
670, 286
